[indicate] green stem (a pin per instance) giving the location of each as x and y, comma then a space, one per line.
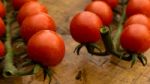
106, 37
9, 68
92, 52
94, 49
142, 59
34, 70
119, 30
105, 33
134, 59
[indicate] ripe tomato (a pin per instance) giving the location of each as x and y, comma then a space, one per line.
46, 47
138, 19
2, 10
35, 23
2, 49
102, 10
135, 38
2, 28
111, 3
85, 26
29, 9
17, 4
138, 6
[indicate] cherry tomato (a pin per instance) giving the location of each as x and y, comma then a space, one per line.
111, 3
2, 49
135, 38
85, 26
35, 23
2, 28
102, 10
46, 47
138, 19
138, 6
2, 10
29, 9
17, 4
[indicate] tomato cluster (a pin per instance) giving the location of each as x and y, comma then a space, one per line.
85, 25
136, 35
38, 29
36, 33
133, 34
138, 6
2, 28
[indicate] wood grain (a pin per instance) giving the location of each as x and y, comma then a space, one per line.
83, 69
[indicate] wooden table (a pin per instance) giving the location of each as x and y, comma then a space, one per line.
88, 69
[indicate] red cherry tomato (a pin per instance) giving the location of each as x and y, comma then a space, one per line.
138, 6
2, 10
2, 28
135, 38
35, 23
138, 19
2, 49
46, 47
29, 9
111, 3
102, 10
85, 26
17, 4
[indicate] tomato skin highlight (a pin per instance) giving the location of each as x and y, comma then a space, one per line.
135, 38
2, 10
17, 4
102, 10
2, 28
111, 3
27, 10
2, 49
35, 23
46, 47
85, 26
138, 19
138, 6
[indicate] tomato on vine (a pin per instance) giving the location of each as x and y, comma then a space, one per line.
102, 10
111, 3
29, 9
138, 6
46, 47
85, 26
2, 10
138, 19
135, 38
35, 23
2, 49
17, 4
2, 28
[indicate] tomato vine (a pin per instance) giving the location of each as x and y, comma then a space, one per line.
112, 43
